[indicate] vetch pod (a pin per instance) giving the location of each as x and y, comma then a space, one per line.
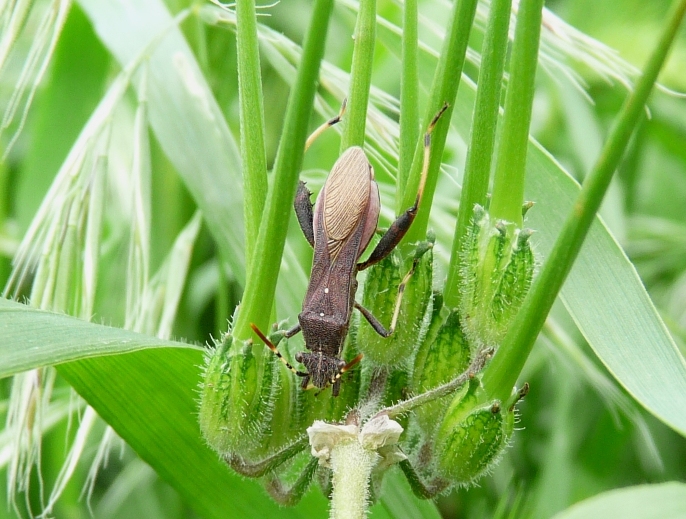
443, 355
471, 437
516, 280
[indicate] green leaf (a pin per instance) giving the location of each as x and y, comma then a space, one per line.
35, 338
606, 297
665, 501
149, 398
501, 373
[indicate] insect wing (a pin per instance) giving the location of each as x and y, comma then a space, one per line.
349, 198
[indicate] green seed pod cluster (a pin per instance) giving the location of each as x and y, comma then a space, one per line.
254, 412
380, 295
236, 397
471, 437
497, 269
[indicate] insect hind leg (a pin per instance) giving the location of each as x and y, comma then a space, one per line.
401, 225
274, 349
328, 124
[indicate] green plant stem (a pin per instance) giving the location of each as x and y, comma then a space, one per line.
478, 166
360, 75
264, 270
501, 374
409, 100
510, 165
221, 306
352, 465
251, 113
443, 90
405, 406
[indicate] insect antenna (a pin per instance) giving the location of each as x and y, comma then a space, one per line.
271, 346
328, 124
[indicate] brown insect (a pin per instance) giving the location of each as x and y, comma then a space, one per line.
339, 227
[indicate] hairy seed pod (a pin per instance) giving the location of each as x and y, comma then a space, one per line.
279, 430
471, 438
443, 355
497, 269
236, 398
380, 294
515, 281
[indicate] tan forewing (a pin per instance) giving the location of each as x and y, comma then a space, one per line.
347, 197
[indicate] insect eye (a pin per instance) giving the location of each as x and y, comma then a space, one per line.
299, 357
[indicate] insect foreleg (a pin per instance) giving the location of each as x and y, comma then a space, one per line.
378, 327
290, 333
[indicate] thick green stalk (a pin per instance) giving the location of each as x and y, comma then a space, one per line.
251, 121
510, 165
409, 100
443, 90
501, 375
478, 167
352, 466
360, 75
264, 269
